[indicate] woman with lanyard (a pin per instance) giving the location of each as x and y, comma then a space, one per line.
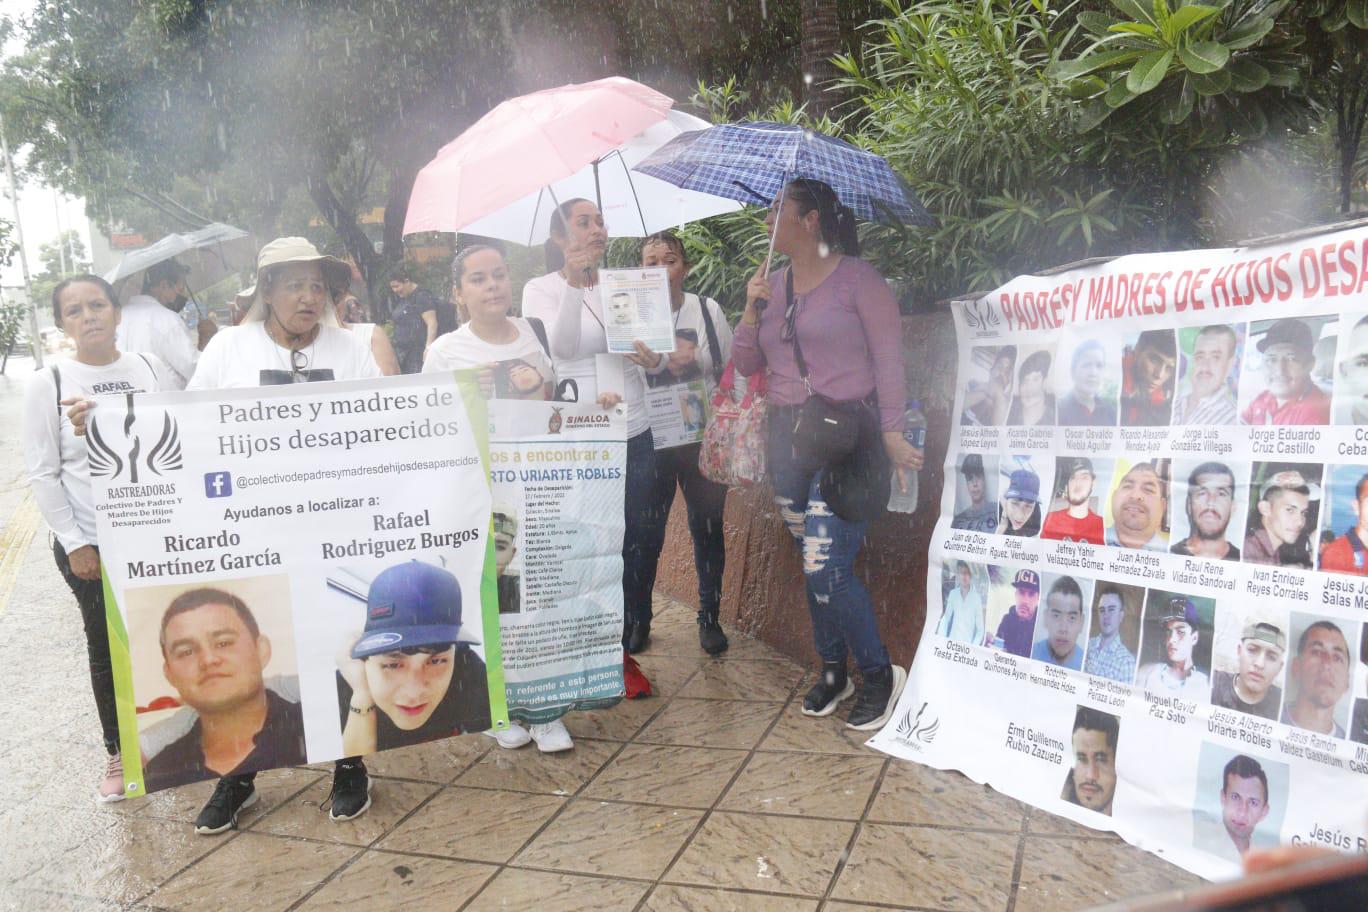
289, 335
702, 347
569, 303
836, 335
87, 310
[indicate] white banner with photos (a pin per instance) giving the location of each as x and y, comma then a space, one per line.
1149, 581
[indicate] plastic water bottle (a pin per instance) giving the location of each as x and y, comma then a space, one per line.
914, 432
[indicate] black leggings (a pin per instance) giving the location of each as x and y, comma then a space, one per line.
705, 500
90, 597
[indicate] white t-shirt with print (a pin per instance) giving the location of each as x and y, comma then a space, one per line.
240, 357
57, 460
463, 349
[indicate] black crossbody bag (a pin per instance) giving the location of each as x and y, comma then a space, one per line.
827, 431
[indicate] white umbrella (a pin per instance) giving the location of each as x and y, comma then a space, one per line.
633, 204
211, 253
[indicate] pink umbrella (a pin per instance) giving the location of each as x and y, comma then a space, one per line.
526, 143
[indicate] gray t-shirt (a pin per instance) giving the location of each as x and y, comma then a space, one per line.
1223, 694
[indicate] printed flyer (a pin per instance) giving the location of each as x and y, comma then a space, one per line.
1149, 581
297, 573
636, 307
558, 477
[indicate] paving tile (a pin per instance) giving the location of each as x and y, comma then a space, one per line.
274, 787
1074, 873
762, 680
514, 890
813, 785
668, 674
944, 869
700, 899
126, 863
304, 816
768, 854
827, 735
668, 775
438, 761
381, 882
274, 873
711, 723
473, 824
616, 723
912, 793
49, 901
1045, 823
623, 840
529, 770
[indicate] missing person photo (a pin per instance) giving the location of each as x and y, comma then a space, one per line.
1320, 674
1277, 384
976, 499
1091, 780
1019, 479
216, 679
1351, 372
962, 615
1239, 803
1033, 404
1209, 500
1249, 653
681, 365
1209, 369
1062, 622
1076, 500
1345, 529
1358, 721
1176, 645
1116, 612
1013, 602
519, 378
1148, 365
1137, 513
412, 674
1089, 373
1283, 515
505, 524
989, 385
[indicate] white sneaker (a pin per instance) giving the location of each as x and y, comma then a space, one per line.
552, 737
112, 786
511, 738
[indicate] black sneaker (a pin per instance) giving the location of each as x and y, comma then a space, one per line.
637, 636
350, 795
710, 636
833, 686
878, 695
232, 795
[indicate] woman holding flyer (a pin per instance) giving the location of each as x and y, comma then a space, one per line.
832, 344
569, 301
87, 310
702, 348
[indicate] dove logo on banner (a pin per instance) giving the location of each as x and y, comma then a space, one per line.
134, 455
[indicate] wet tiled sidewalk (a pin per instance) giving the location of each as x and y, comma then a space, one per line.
717, 794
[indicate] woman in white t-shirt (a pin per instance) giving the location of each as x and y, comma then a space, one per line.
378, 342
87, 310
569, 302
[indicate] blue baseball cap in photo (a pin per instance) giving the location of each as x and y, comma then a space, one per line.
411, 605
1181, 608
1023, 485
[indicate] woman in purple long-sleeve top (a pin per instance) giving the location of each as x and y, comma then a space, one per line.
846, 321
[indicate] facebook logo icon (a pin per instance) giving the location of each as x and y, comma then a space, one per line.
218, 484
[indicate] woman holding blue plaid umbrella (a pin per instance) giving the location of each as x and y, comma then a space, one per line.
835, 334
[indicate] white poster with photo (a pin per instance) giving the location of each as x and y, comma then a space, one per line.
295, 573
1147, 608
558, 478
636, 308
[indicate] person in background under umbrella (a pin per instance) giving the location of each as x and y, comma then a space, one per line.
151, 322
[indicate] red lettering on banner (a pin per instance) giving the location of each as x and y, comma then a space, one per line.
1310, 283
1362, 269
1349, 268
1281, 277
1328, 265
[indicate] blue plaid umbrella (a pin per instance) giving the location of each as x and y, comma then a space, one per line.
750, 162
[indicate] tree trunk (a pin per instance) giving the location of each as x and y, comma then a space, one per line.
821, 27
1351, 110
344, 222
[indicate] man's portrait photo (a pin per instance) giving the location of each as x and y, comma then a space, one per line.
1020, 512
1284, 514
1112, 650
1351, 373
1034, 401
1277, 386
1149, 365
1089, 371
1319, 675
1209, 375
1062, 622
1075, 506
505, 549
976, 501
989, 386
1213, 496
1137, 510
1346, 518
1240, 802
1091, 781
962, 618
1012, 609
228, 696
1248, 657
1176, 646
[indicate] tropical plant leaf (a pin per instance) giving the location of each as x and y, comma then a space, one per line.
1204, 56
1210, 84
1144, 30
1149, 71
1135, 9
1282, 75
1091, 63
1247, 76
1357, 13
1095, 23
1091, 115
1118, 94
1248, 34
1185, 17
1177, 106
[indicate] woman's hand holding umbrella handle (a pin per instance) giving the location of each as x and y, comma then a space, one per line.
757, 295
579, 266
